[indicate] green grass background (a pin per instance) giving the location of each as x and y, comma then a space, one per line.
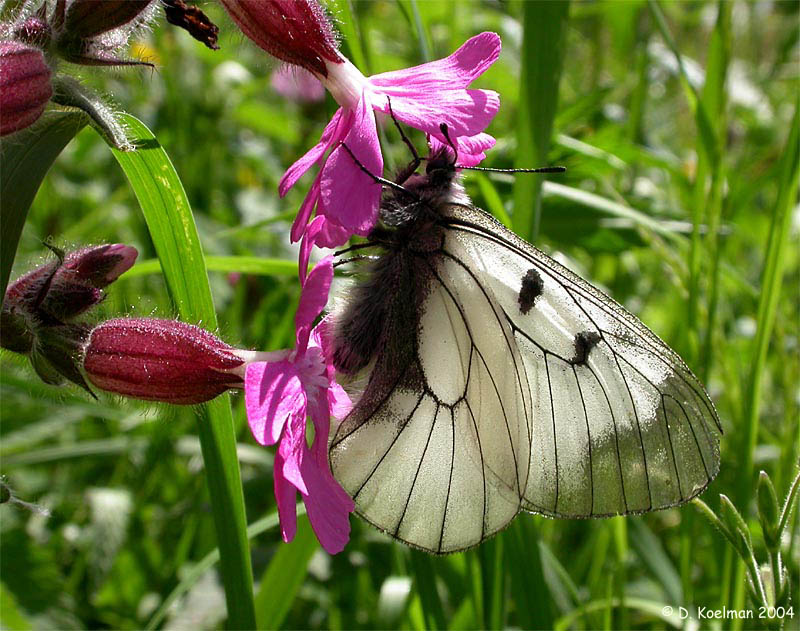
679, 200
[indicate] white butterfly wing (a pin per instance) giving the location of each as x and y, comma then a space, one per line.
540, 394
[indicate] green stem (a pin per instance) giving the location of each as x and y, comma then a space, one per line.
174, 234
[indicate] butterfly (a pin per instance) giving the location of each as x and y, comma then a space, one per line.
498, 381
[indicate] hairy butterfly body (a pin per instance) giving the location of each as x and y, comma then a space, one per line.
499, 381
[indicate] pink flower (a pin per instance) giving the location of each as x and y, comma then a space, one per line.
279, 395
423, 97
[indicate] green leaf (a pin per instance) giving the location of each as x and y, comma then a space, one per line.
284, 576
174, 234
26, 158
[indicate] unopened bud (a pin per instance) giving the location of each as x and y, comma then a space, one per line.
768, 512
25, 86
35, 30
89, 18
295, 31
57, 292
57, 352
39, 305
87, 31
160, 360
76, 285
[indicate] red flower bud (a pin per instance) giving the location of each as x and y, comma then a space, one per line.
295, 31
160, 360
56, 292
89, 18
82, 29
100, 265
61, 290
35, 30
24, 86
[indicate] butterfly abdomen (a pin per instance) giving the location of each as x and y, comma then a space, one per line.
380, 313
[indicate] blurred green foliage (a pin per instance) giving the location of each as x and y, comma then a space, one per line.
129, 513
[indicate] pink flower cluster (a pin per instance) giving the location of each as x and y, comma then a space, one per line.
342, 201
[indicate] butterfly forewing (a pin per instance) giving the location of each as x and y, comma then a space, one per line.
621, 424
526, 389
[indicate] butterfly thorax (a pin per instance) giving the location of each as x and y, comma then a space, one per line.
383, 307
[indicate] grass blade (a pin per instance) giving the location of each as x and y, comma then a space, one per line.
771, 281
424, 572
172, 229
242, 264
284, 576
527, 576
543, 50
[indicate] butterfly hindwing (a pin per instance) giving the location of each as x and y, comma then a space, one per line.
440, 460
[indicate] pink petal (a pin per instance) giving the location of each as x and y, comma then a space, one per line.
309, 239
327, 504
313, 299
301, 221
293, 450
330, 135
272, 394
286, 498
339, 402
332, 234
466, 112
348, 194
470, 148
458, 70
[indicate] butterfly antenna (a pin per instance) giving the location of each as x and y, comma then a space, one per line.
408, 143
446, 133
376, 178
493, 170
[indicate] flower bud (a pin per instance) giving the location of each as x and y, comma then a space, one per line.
76, 285
295, 31
25, 86
89, 18
57, 292
740, 534
768, 512
35, 30
57, 352
87, 31
160, 360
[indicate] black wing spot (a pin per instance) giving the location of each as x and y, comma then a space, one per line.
585, 341
532, 287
